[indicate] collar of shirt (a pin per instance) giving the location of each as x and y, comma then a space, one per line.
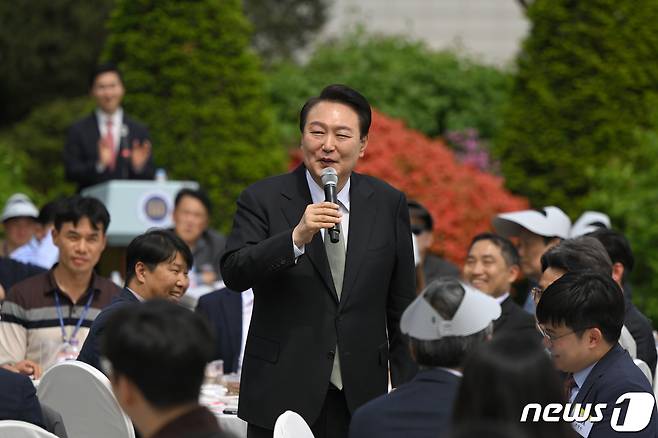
502, 298
452, 371
581, 375
53, 287
317, 192
138, 296
317, 195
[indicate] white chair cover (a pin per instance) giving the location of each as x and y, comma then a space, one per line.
642, 365
291, 425
627, 342
83, 396
21, 429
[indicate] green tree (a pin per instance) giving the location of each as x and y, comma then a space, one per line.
433, 92
626, 190
47, 50
284, 27
192, 79
586, 75
35, 144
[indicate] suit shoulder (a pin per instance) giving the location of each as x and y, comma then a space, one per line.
378, 185
83, 123
214, 298
270, 185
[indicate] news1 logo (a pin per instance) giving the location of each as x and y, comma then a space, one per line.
638, 412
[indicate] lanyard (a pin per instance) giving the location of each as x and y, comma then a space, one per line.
61, 318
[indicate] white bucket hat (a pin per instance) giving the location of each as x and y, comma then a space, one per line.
476, 311
19, 205
548, 222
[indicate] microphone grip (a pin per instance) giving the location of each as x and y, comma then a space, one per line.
330, 196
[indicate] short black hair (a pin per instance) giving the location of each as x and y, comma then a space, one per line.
154, 247
48, 212
162, 348
198, 194
417, 210
104, 68
579, 254
345, 95
76, 207
445, 295
582, 300
507, 248
617, 247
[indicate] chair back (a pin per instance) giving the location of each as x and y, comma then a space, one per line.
21, 429
291, 425
642, 365
84, 398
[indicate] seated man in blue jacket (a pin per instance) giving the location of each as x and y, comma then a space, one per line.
157, 264
580, 315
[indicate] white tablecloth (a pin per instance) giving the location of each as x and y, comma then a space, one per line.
212, 396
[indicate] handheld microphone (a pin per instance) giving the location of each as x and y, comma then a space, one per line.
329, 181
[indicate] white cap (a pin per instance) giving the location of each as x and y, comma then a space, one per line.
19, 205
548, 222
588, 222
476, 311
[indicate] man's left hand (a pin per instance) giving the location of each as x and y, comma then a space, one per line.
140, 154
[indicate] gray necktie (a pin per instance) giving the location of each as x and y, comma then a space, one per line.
336, 257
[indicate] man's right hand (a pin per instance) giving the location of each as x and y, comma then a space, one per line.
26, 367
316, 217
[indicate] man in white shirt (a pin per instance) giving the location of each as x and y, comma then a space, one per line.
107, 144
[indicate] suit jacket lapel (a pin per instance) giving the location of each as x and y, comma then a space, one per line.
362, 215
298, 197
599, 369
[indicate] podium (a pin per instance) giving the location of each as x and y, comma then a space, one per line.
136, 205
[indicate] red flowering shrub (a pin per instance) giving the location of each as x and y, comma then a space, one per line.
461, 198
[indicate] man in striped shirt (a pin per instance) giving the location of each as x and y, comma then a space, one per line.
46, 318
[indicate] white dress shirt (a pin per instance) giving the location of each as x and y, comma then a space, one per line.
317, 196
247, 308
117, 126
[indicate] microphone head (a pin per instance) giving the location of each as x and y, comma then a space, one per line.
329, 176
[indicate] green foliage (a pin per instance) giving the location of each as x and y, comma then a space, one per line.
12, 163
284, 27
627, 191
431, 91
586, 75
47, 50
190, 77
36, 145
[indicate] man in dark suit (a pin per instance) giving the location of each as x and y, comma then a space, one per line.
107, 144
157, 264
581, 315
492, 265
226, 311
325, 320
621, 255
18, 398
422, 408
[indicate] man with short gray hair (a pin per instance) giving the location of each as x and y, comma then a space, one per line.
444, 324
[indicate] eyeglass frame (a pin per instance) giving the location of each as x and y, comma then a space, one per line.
551, 338
536, 293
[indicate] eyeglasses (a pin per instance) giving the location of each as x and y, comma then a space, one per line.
536, 293
553, 338
417, 229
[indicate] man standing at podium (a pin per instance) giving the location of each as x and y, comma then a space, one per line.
326, 313
107, 144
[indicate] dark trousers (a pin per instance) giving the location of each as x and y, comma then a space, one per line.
333, 422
